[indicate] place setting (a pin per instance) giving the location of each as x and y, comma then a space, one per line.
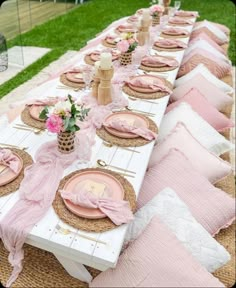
170, 45
125, 28
30, 116
172, 32
186, 14
13, 161
158, 63
110, 41
179, 21
147, 86
95, 56
128, 129
95, 200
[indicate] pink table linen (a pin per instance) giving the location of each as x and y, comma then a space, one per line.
7, 158
170, 43
157, 60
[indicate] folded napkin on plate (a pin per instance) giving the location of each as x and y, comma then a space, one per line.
126, 28
118, 211
172, 43
95, 55
112, 39
183, 13
178, 20
149, 82
133, 18
158, 60
42, 102
10, 160
176, 31
123, 126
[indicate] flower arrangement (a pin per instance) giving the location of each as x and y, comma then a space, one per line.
155, 10
63, 116
127, 44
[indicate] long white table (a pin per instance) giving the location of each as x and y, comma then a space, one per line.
72, 249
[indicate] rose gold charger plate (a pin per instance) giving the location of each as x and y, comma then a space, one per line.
76, 77
131, 118
7, 175
35, 111
100, 184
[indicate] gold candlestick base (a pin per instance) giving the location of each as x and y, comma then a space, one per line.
96, 82
104, 88
143, 34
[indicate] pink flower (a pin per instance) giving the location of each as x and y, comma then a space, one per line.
156, 8
123, 46
131, 41
54, 124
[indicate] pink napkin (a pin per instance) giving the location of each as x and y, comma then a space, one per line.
176, 31
133, 18
126, 28
158, 60
123, 126
151, 83
172, 43
95, 55
182, 13
42, 102
8, 159
178, 20
118, 211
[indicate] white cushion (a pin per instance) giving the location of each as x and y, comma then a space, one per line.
213, 28
199, 128
176, 215
203, 44
202, 69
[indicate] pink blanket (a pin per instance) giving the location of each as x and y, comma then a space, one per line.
118, 211
7, 158
123, 126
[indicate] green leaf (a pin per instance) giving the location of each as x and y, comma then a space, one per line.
70, 98
43, 113
66, 123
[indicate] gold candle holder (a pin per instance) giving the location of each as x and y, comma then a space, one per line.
166, 4
104, 87
143, 34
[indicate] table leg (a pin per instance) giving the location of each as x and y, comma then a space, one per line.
75, 269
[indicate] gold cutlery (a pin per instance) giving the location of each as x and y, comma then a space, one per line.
67, 88
3, 145
102, 163
107, 144
140, 111
28, 126
2, 168
34, 130
145, 100
66, 231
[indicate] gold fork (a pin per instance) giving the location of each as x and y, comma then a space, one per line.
3, 145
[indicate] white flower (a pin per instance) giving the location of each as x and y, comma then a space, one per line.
62, 107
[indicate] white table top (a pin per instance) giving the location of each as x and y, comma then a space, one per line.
44, 234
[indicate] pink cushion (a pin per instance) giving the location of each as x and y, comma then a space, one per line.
222, 27
211, 207
208, 112
213, 94
209, 33
156, 259
204, 36
217, 66
205, 162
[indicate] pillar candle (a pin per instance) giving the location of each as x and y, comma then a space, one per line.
96, 66
106, 61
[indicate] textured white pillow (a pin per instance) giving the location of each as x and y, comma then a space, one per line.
199, 128
202, 69
213, 28
176, 215
203, 44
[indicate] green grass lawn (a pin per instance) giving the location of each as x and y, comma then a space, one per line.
72, 30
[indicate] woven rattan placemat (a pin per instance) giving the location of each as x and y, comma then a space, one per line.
28, 120
156, 69
155, 95
88, 60
124, 142
92, 225
14, 185
167, 49
71, 84
173, 36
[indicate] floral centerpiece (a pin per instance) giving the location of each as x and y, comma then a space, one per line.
62, 119
126, 46
156, 12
